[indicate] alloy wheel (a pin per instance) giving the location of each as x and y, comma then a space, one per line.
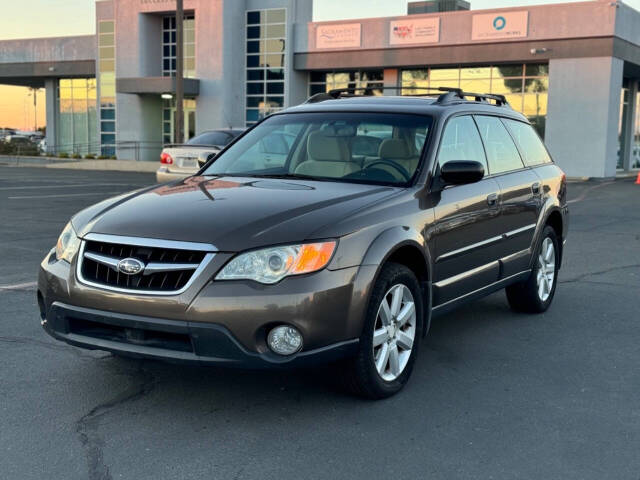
394, 332
546, 269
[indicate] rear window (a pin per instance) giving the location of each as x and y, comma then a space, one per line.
211, 138
502, 153
531, 147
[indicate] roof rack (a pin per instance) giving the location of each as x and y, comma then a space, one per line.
450, 95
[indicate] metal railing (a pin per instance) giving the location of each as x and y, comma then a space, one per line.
125, 150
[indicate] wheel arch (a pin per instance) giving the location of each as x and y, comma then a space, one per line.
552, 217
407, 247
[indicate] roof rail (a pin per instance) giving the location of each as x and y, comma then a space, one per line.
451, 94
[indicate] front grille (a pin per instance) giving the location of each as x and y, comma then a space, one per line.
165, 270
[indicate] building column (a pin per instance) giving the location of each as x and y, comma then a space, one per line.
52, 109
391, 78
583, 114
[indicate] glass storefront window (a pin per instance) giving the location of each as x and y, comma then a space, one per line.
525, 86
372, 80
77, 117
107, 86
169, 46
265, 63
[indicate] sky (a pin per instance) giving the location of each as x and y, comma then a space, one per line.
50, 18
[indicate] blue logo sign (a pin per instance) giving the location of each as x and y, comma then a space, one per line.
499, 23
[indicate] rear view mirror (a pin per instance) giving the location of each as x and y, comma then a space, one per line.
458, 172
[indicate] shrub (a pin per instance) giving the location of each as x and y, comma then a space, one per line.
76, 156
102, 157
89, 156
63, 155
113, 157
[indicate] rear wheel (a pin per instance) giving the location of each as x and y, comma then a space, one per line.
536, 294
390, 337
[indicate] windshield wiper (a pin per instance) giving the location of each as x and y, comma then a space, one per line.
294, 176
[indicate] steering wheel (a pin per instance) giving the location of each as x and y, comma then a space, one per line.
391, 163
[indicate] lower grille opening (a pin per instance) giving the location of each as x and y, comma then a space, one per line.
134, 336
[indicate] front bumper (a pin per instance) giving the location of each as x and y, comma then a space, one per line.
178, 341
224, 323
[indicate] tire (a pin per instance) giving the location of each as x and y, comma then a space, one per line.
361, 375
535, 294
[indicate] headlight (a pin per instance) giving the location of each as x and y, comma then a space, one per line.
68, 244
271, 265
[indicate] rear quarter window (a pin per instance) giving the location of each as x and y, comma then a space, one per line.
531, 147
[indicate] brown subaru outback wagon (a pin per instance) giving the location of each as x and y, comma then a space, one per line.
380, 213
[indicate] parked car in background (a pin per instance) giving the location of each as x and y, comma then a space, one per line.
19, 145
181, 160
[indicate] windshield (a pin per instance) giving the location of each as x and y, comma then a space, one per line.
212, 138
379, 148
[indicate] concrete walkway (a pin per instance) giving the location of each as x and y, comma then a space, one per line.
55, 162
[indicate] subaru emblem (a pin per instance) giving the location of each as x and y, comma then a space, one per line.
130, 266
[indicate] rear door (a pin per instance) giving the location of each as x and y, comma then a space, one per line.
466, 228
520, 189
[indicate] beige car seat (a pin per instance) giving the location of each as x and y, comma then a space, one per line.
328, 156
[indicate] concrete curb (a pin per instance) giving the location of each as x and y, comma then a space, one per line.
54, 162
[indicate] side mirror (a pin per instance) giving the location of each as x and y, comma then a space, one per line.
459, 172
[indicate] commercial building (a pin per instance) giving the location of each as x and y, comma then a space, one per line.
573, 69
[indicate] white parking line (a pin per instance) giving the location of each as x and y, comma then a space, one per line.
79, 185
22, 197
19, 286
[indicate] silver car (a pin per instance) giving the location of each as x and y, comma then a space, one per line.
179, 161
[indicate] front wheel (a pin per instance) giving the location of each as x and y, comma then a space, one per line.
535, 294
390, 337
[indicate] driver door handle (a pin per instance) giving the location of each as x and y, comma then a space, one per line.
492, 199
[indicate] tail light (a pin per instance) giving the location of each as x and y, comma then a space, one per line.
166, 159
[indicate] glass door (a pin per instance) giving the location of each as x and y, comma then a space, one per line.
622, 124
635, 140
168, 120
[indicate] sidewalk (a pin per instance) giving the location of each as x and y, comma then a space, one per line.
55, 162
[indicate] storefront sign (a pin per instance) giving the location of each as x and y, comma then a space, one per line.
420, 30
338, 36
493, 26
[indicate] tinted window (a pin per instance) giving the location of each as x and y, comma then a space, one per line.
211, 138
502, 153
461, 141
531, 147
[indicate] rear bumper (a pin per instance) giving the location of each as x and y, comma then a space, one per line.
172, 340
163, 174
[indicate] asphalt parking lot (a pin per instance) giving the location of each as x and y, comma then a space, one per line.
494, 394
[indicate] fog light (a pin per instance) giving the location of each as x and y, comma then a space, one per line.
284, 340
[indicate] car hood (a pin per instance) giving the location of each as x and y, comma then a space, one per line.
232, 213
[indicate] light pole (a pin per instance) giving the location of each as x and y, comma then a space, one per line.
34, 92
179, 120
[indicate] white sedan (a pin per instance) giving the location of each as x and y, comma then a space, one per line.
180, 161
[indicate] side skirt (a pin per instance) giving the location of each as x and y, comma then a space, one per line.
481, 292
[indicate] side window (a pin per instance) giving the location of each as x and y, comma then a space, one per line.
461, 141
531, 147
502, 153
